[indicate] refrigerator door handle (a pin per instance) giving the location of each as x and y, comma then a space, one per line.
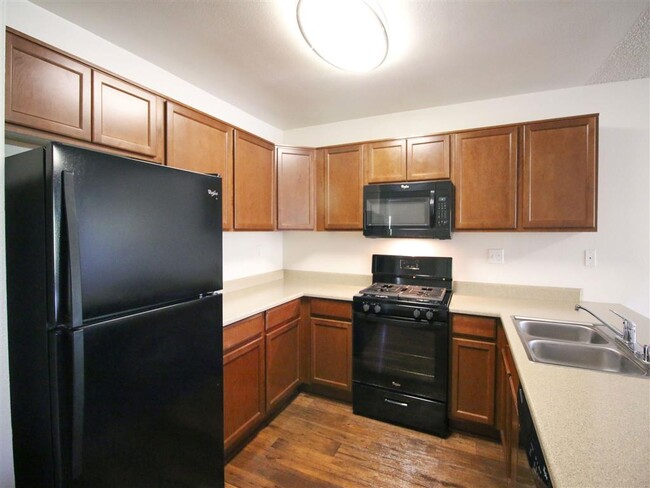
78, 401
74, 260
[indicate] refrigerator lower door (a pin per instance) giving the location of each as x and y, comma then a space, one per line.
143, 399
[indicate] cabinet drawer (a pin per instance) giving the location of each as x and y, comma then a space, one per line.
331, 308
282, 314
474, 326
242, 331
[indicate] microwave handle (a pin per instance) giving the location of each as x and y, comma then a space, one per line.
432, 208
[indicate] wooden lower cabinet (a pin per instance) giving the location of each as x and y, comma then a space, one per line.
472, 396
332, 353
282, 353
331, 345
473, 369
244, 404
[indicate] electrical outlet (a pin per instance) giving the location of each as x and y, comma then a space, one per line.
590, 258
496, 256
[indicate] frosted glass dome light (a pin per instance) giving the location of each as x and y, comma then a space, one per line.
348, 34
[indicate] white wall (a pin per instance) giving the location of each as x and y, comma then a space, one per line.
556, 259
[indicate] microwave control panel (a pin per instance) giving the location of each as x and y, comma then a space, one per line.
442, 211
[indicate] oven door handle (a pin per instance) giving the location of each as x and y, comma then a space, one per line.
399, 322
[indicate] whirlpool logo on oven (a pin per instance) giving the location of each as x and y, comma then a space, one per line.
214, 194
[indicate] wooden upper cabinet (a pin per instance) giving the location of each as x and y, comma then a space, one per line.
485, 176
427, 158
254, 183
46, 90
296, 188
342, 187
200, 143
385, 161
559, 168
127, 117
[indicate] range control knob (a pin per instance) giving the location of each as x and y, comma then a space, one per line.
429, 315
377, 308
416, 313
366, 307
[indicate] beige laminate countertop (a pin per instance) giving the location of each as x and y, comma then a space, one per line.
594, 427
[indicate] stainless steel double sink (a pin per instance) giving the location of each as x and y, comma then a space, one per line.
577, 345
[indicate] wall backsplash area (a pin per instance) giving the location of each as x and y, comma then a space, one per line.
545, 259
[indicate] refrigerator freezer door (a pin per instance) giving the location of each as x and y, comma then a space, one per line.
144, 400
146, 234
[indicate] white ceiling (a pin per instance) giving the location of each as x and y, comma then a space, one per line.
250, 53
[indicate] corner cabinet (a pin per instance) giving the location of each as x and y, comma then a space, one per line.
485, 176
200, 143
46, 90
558, 189
254, 176
341, 186
296, 188
473, 369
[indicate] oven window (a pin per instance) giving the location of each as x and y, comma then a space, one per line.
398, 212
410, 357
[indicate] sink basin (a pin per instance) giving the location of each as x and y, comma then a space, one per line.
576, 344
584, 356
563, 331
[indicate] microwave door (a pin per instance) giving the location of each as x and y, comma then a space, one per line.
432, 208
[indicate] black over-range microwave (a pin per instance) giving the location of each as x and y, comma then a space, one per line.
423, 209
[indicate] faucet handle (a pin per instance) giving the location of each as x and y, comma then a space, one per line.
646, 353
629, 328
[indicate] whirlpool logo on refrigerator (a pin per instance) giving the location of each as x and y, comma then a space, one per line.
213, 193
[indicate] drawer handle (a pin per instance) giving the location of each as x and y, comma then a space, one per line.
393, 402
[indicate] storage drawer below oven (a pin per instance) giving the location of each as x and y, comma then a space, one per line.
409, 411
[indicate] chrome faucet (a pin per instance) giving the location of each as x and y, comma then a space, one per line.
627, 337
629, 329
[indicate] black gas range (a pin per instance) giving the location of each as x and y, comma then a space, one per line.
401, 342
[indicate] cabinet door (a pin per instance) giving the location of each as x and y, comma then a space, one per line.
243, 390
296, 184
559, 175
331, 354
343, 188
200, 143
254, 183
386, 161
427, 158
282, 352
127, 117
46, 90
485, 176
472, 380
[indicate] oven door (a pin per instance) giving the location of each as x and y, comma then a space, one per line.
402, 355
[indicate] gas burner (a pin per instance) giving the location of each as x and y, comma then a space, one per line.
423, 294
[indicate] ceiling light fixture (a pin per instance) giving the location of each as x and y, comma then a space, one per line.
348, 34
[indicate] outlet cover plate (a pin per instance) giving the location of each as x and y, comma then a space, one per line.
496, 256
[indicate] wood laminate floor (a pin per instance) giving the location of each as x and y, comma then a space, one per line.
316, 442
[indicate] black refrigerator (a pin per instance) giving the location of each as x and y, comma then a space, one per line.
114, 277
